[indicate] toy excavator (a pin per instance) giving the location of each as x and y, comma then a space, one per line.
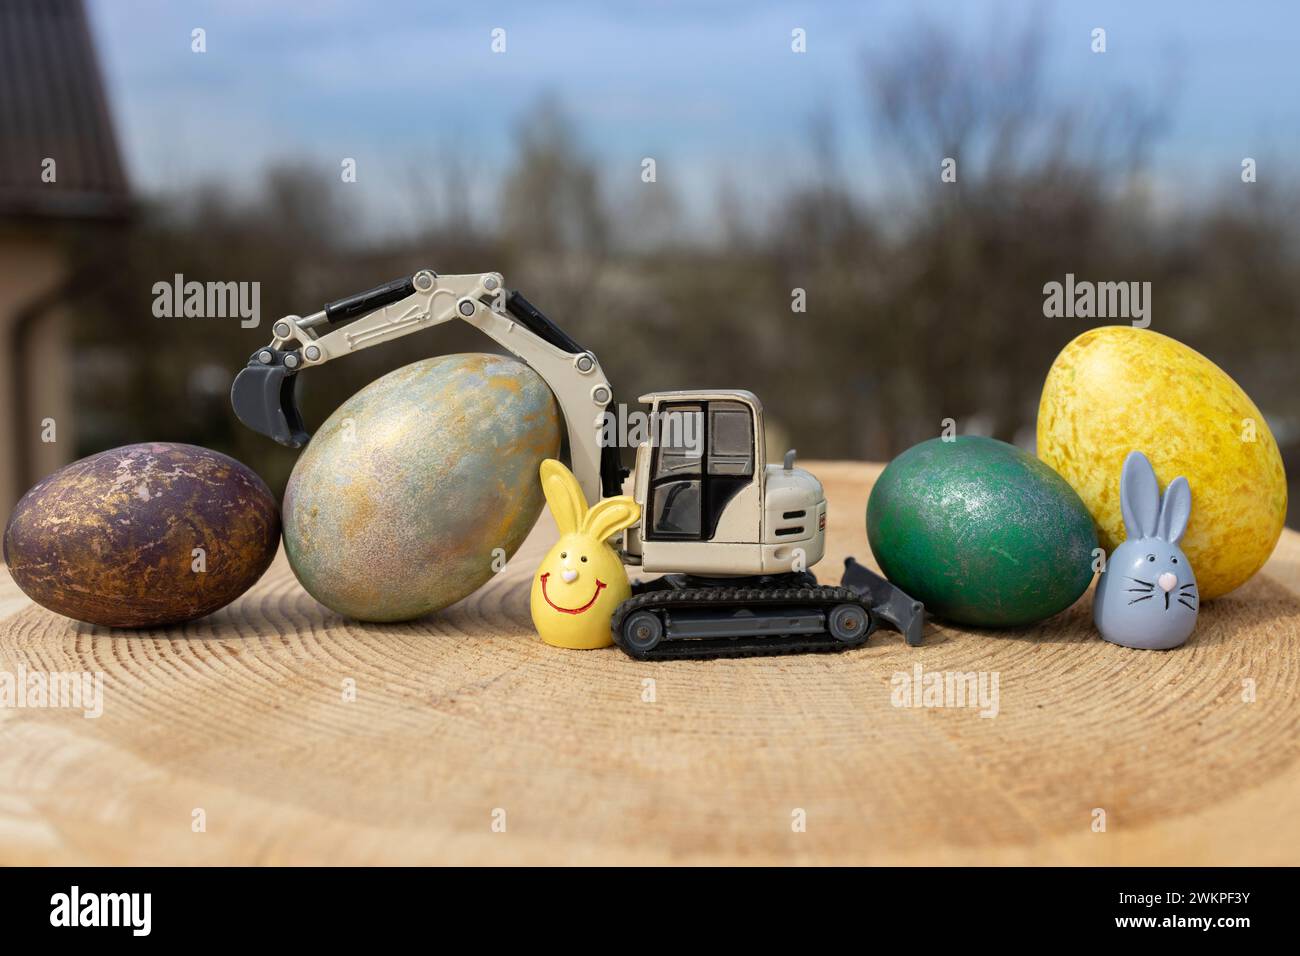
732, 535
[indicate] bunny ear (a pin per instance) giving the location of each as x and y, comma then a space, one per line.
564, 495
1139, 496
609, 517
1175, 511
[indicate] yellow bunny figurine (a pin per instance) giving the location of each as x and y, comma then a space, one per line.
581, 580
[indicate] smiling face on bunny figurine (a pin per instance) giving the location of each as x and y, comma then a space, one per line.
581, 580
1147, 596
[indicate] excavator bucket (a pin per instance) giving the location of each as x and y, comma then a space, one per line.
263, 398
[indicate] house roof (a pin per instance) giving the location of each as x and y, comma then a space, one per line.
53, 105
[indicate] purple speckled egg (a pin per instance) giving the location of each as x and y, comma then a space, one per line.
143, 536
412, 494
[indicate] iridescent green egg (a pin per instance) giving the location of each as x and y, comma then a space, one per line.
419, 487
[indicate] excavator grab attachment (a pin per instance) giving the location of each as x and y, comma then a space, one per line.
263, 398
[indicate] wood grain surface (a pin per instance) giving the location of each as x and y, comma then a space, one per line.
465, 718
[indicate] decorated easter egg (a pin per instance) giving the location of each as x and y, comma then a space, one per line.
980, 531
420, 487
1118, 389
143, 536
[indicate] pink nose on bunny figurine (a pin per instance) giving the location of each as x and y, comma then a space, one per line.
1146, 597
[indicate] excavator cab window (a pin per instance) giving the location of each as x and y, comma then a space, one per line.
704, 456
681, 441
731, 439
677, 510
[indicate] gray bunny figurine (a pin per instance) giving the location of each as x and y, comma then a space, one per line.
1147, 597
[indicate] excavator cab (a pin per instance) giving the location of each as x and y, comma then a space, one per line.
710, 503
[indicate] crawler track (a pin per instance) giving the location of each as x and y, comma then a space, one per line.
689, 615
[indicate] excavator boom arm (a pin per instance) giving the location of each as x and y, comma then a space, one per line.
263, 392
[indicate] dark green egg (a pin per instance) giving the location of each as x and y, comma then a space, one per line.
982, 532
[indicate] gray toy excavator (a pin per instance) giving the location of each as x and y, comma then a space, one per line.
731, 535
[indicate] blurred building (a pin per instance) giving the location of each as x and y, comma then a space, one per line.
60, 172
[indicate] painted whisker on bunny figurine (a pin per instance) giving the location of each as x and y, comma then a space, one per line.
1147, 596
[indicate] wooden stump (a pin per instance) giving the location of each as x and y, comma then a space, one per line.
465, 720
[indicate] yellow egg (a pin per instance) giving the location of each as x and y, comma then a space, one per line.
1115, 389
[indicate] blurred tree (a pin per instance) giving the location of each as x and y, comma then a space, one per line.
919, 303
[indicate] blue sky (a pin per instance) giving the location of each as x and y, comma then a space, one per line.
711, 90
